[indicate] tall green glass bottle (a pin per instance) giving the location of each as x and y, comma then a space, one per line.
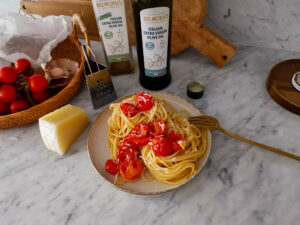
153, 22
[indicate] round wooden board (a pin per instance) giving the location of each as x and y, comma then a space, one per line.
280, 87
99, 151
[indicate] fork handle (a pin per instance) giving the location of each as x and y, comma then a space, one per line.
278, 151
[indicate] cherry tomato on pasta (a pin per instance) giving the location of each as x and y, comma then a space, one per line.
161, 146
8, 75
22, 65
129, 109
141, 130
125, 153
8, 93
157, 128
4, 108
176, 140
111, 166
144, 101
131, 169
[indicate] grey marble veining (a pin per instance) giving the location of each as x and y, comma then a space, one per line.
240, 184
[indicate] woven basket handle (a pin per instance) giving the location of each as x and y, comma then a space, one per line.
78, 21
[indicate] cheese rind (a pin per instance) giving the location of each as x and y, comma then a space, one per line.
61, 128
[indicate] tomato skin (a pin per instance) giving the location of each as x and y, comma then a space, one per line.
161, 147
131, 169
144, 101
176, 140
125, 153
19, 105
111, 166
157, 128
22, 65
129, 109
8, 93
39, 97
8, 75
38, 83
4, 108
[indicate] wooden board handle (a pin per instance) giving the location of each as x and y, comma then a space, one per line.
212, 45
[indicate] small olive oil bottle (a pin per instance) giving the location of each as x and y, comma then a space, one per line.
153, 22
112, 26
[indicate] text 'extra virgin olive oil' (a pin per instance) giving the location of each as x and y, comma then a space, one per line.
153, 21
112, 26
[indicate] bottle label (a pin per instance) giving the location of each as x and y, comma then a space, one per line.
155, 33
111, 19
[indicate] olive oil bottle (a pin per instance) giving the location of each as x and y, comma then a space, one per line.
112, 26
153, 22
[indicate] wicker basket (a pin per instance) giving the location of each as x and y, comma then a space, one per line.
69, 48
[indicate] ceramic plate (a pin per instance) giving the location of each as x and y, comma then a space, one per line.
99, 151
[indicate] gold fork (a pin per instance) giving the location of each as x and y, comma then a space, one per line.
212, 124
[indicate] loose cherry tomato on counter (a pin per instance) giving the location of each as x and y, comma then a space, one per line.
38, 83
8, 75
144, 101
8, 93
4, 108
157, 128
126, 153
39, 97
131, 169
161, 146
129, 109
111, 166
176, 141
22, 65
19, 105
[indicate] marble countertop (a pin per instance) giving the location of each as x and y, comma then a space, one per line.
240, 184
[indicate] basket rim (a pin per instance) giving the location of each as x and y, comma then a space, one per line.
78, 78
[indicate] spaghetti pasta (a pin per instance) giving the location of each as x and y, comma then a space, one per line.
173, 169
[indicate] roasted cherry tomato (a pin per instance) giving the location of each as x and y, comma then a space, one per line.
161, 146
157, 128
4, 108
39, 97
141, 130
125, 153
19, 105
176, 141
129, 109
22, 65
8, 75
8, 93
38, 83
131, 169
144, 101
141, 141
111, 166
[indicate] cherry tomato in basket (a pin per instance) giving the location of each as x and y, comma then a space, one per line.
161, 146
4, 108
8, 75
125, 153
129, 109
39, 97
38, 83
176, 140
144, 101
157, 128
22, 65
19, 105
8, 93
131, 169
27, 78
111, 166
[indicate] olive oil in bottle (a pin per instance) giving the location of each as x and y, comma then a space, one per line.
112, 26
153, 20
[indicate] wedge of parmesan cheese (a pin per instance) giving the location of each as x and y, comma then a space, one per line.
62, 127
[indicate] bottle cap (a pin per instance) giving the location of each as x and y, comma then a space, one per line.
195, 89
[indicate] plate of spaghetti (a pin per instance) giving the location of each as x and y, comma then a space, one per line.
144, 143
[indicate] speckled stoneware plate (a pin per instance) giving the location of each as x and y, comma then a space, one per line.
99, 151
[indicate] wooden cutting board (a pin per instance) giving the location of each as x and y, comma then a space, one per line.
187, 26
